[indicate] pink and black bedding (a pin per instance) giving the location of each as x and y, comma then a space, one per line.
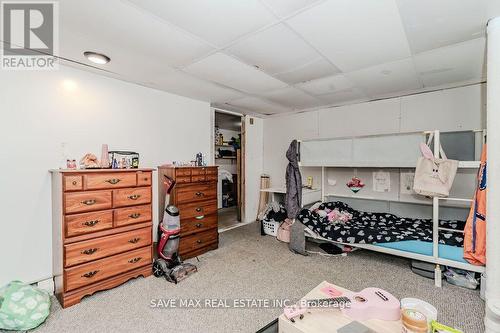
373, 228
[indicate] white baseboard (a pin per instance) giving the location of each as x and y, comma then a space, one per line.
47, 285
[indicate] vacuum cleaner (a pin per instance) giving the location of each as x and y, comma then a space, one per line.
169, 263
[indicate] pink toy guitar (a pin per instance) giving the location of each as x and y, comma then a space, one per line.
299, 309
372, 303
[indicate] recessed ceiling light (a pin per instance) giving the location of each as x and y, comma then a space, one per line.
97, 58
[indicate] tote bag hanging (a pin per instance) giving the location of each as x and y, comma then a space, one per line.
434, 176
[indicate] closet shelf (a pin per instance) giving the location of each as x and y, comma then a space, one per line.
226, 158
462, 203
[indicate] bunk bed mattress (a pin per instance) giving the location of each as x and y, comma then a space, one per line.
449, 252
377, 228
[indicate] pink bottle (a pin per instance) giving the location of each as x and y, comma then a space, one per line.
104, 157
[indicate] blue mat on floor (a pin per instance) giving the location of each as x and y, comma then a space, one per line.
445, 251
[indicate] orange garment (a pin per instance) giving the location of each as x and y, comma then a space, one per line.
475, 228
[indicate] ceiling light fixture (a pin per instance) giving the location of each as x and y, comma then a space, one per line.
97, 58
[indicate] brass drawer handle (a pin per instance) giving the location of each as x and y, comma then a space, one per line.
133, 261
74, 182
134, 240
199, 209
199, 194
134, 216
90, 274
90, 223
198, 241
90, 251
113, 181
199, 225
201, 217
89, 202
134, 197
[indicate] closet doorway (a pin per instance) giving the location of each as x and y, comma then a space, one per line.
229, 157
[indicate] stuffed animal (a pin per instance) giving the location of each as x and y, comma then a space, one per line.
89, 161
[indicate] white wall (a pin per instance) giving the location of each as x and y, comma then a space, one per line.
254, 153
454, 109
40, 110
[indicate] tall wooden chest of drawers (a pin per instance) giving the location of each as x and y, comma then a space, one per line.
195, 195
102, 230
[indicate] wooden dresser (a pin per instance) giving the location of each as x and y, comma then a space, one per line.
195, 195
102, 230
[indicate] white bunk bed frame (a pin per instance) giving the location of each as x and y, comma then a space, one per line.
434, 258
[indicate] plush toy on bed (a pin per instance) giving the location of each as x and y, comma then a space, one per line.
333, 216
337, 216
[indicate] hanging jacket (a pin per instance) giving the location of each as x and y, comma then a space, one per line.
293, 199
475, 227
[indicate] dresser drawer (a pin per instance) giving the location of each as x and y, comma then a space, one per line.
131, 215
183, 172
196, 192
81, 252
183, 179
144, 178
197, 209
198, 171
198, 178
131, 196
199, 240
73, 183
85, 274
110, 180
77, 202
85, 223
195, 225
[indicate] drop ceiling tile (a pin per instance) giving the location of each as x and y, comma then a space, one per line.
293, 98
431, 24
258, 105
218, 22
455, 63
354, 34
326, 85
277, 49
314, 70
131, 65
380, 80
189, 86
122, 26
347, 96
232, 73
285, 8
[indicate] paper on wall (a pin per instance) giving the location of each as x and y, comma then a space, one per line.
381, 181
406, 182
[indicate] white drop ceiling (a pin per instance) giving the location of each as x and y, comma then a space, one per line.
279, 56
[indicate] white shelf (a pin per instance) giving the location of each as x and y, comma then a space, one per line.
414, 202
402, 165
469, 164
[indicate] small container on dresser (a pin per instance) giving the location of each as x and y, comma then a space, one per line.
195, 195
102, 230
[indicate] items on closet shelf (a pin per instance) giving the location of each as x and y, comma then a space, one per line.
475, 228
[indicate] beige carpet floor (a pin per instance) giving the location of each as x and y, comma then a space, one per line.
250, 266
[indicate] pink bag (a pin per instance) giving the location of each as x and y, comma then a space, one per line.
284, 231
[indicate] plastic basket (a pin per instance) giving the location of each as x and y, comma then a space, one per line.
271, 227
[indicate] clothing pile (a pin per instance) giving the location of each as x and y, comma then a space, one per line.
274, 212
